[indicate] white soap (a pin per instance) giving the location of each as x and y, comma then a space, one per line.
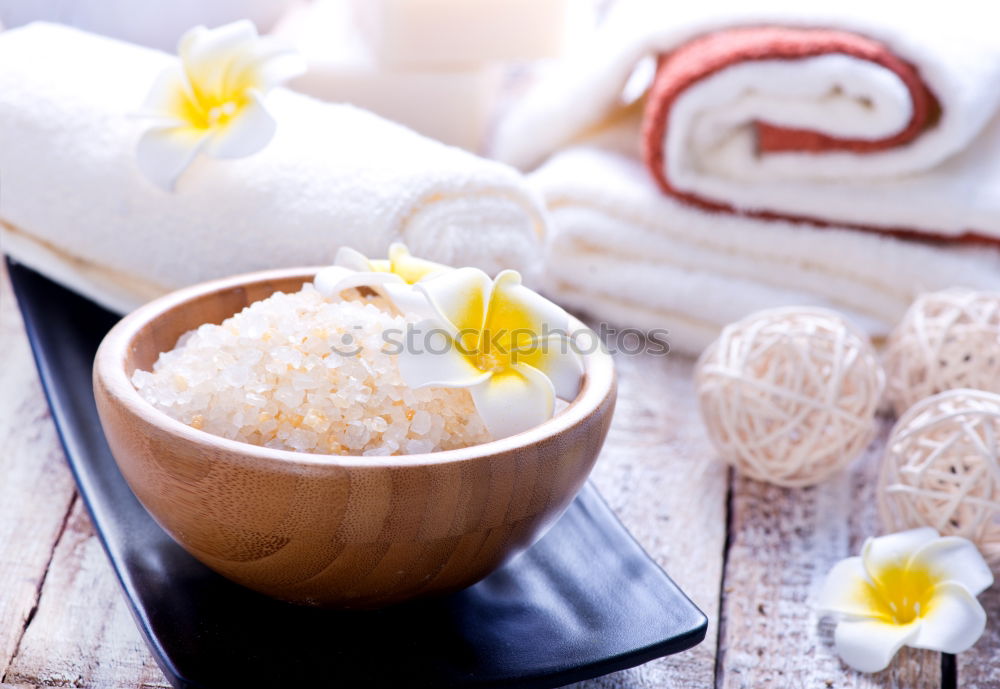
425, 33
453, 106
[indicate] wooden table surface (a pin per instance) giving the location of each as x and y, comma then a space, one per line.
752, 556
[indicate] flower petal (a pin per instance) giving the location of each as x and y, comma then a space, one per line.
847, 591
428, 356
892, 552
406, 299
515, 307
333, 280
869, 645
954, 559
277, 63
261, 64
459, 297
351, 258
557, 359
409, 267
207, 54
514, 400
169, 98
249, 131
953, 622
164, 152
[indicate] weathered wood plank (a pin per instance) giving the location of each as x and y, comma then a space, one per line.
979, 667
82, 634
783, 542
36, 489
655, 472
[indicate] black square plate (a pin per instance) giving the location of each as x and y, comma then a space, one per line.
584, 601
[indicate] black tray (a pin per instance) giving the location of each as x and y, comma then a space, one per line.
584, 601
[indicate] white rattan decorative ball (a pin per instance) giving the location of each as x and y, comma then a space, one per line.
947, 340
942, 469
789, 395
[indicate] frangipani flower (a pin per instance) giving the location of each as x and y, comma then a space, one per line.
211, 101
392, 277
911, 588
400, 263
508, 345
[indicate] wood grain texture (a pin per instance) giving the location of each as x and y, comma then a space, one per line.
657, 473
82, 634
782, 544
35, 490
979, 667
654, 472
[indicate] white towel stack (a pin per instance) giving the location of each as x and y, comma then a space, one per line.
627, 252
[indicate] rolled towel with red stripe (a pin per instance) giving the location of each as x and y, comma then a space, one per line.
709, 56
881, 116
703, 160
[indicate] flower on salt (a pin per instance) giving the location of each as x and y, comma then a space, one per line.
910, 588
392, 277
211, 99
508, 345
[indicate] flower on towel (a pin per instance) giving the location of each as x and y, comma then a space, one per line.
212, 99
508, 345
910, 588
392, 277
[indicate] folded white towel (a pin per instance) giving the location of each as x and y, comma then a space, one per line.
628, 254
75, 205
945, 182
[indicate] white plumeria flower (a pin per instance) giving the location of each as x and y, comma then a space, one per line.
507, 344
211, 100
910, 588
393, 277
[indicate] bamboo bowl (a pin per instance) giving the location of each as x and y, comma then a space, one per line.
332, 530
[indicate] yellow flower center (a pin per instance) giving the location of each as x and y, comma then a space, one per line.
900, 594
208, 111
209, 100
220, 114
489, 362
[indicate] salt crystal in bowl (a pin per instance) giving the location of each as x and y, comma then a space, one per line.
329, 529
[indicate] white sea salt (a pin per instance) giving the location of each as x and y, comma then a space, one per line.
278, 374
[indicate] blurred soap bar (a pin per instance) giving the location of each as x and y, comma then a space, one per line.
423, 33
453, 106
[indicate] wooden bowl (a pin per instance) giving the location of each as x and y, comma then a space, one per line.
335, 530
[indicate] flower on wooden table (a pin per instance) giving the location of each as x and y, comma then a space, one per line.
211, 100
911, 588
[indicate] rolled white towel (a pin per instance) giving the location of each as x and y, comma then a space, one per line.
632, 256
75, 205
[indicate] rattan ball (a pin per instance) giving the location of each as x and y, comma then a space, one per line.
789, 395
946, 340
942, 469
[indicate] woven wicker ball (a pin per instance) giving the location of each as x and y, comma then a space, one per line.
789, 395
946, 340
942, 469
